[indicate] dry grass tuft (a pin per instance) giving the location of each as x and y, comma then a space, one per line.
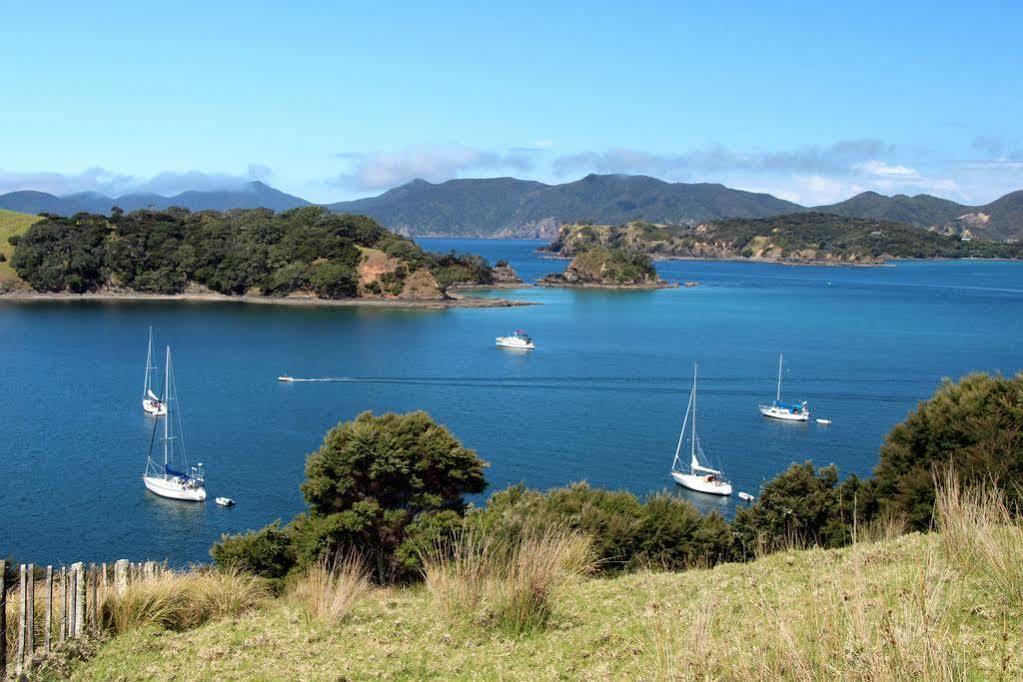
981, 535
328, 591
180, 601
509, 583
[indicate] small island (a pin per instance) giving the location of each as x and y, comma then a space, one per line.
809, 238
301, 256
600, 267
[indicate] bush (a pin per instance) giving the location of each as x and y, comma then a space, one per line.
976, 426
626, 533
267, 552
802, 506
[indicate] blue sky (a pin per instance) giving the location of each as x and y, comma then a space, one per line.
810, 101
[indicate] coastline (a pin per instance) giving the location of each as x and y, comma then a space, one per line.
609, 287
455, 301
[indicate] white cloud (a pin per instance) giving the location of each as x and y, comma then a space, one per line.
884, 170
114, 184
383, 170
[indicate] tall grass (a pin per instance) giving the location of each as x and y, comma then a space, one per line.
510, 583
180, 601
981, 535
329, 591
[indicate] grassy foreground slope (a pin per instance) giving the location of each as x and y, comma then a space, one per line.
893, 609
11, 223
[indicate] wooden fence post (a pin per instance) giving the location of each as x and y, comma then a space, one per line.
121, 576
72, 589
80, 592
3, 619
30, 620
94, 613
63, 603
20, 660
49, 606
103, 576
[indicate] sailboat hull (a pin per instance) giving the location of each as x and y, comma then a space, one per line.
784, 414
171, 488
155, 408
702, 483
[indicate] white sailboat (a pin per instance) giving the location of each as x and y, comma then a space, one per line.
700, 477
794, 412
151, 404
173, 478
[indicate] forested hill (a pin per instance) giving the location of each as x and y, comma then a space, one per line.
306, 251
509, 207
796, 238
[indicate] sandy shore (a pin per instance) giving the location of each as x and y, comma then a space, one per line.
455, 301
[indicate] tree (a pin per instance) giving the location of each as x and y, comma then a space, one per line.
374, 476
975, 426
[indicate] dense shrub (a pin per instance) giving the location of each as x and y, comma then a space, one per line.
664, 531
267, 552
801, 506
975, 425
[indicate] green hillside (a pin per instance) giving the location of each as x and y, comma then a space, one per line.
893, 609
794, 238
11, 224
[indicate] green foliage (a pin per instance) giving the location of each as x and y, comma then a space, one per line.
373, 477
795, 237
267, 552
665, 531
302, 250
975, 426
801, 506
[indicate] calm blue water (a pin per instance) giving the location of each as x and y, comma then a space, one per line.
601, 399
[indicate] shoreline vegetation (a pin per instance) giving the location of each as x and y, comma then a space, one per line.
304, 256
602, 267
453, 300
812, 239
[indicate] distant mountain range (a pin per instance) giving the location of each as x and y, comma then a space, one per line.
249, 195
508, 207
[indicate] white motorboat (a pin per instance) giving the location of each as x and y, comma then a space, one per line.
150, 402
700, 477
824, 422
173, 478
285, 377
794, 412
224, 501
745, 497
520, 340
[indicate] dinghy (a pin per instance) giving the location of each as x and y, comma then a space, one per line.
173, 478
700, 477
224, 501
794, 412
825, 422
150, 402
745, 497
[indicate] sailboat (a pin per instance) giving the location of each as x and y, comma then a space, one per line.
150, 402
700, 477
183, 482
794, 412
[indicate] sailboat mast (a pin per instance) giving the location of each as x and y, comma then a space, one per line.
777, 395
149, 365
693, 444
166, 419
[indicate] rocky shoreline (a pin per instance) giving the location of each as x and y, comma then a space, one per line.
453, 301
